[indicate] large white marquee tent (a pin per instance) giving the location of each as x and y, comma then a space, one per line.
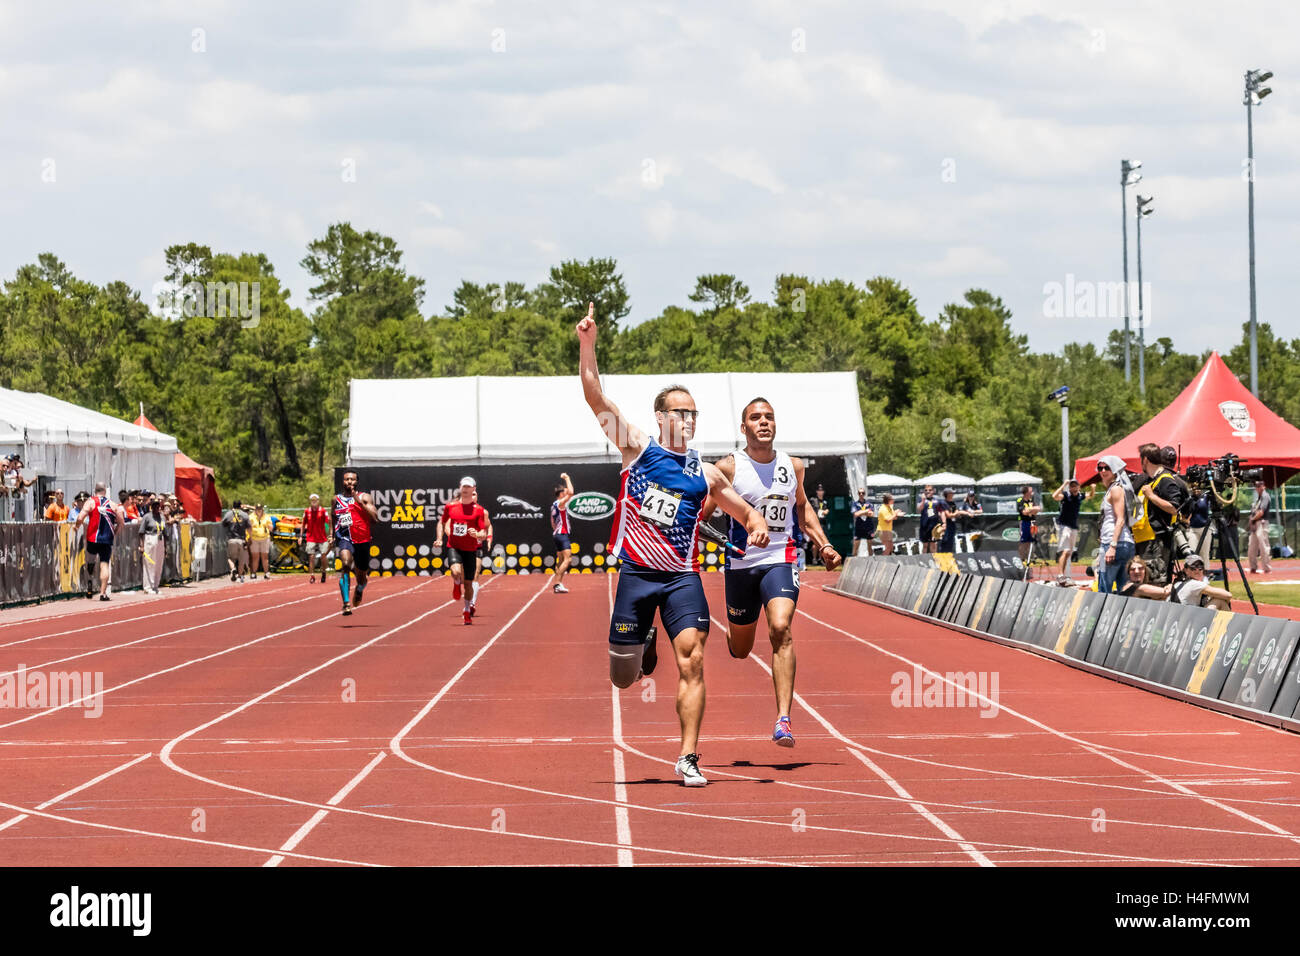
544, 419
71, 447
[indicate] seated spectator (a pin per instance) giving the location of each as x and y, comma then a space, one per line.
1138, 586
1195, 590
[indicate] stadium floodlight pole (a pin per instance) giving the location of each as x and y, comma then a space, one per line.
1127, 177
1254, 94
1143, 210
1062, 397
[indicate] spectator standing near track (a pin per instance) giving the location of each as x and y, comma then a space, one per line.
1258, 547
1027, 511
151, 547
970, 507
930, 510
260, 527
885, 519
948, 517
1117, 547
236, 524
864, 523
1164, 495
560, 531
103, 521
1067, 524
313, 537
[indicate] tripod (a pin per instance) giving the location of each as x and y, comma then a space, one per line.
1220, 525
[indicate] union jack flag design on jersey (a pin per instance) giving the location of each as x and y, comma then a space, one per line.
559, 519
669, 489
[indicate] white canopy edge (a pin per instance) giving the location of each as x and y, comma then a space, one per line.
544, 419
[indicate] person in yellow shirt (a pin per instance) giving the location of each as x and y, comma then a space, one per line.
885, 522
259, 540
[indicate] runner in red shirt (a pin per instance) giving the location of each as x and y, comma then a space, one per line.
467, 526
313, 537
353, 512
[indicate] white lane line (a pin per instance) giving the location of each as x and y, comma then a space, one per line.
77, 789
127, 620
320, 815
194, 660
622, 824
963, 844
1091, 748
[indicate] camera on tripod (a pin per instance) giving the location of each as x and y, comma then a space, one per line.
1225, 472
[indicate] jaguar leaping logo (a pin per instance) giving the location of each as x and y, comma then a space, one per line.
509, 501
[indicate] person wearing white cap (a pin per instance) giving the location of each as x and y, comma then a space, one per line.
1196, 591
467, 527
1117, 546
313, 537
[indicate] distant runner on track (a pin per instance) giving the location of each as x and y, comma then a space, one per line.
103, 521
468, 528
560, 531
655, 535
353, 514
766, 578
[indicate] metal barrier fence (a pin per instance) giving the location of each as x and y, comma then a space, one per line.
48, 559
1243, 664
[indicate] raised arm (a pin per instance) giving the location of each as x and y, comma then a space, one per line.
568, 489
812, 526
725, 497
626, 437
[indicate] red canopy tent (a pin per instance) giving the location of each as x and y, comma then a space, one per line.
196, 487
1213, 416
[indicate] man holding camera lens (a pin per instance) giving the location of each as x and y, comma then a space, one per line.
1166, 494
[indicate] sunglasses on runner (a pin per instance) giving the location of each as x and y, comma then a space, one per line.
685, 414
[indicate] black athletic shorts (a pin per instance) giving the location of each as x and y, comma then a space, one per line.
749, 589
100, 551
678, 596
562, 542
466, 559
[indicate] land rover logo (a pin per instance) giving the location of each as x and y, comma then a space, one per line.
591, 506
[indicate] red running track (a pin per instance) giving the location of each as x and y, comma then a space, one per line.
253, 725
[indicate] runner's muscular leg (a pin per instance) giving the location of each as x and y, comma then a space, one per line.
740, 638
688, 648
780, 616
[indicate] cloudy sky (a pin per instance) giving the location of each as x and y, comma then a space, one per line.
948, 144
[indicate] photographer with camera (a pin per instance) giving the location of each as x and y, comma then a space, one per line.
1258, 530
1161, 496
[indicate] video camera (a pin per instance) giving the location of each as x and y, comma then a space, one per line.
1225, 472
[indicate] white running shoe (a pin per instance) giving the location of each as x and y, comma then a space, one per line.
688, 768
560, 589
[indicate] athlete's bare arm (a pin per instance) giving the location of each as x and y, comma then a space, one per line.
629, 439
486, 534
728, 468
363, 499
812, 526
442, 522
720, 491
568, 489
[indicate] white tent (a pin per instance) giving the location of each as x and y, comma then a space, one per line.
945, 479
73, 447
542, 419
1010, 478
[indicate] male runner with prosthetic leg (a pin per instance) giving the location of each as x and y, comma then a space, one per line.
664, 484
766, 578
353, 513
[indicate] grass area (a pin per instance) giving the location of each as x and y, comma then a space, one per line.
279, 494
1288, 594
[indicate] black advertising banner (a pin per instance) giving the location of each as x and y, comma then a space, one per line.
969, 596
1008, 608
1086, 618
1058, 609
1205, 642
1209, 681
518, 501
1151, 643
1287, 702
1030, 616
1239, 683
883, 582
1280, 657
1108, 624
1136, 613
1192, 624
986, 605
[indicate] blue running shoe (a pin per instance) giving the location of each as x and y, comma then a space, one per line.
781, 735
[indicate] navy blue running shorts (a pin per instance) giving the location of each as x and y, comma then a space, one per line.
678, 596
749, 589
562, 542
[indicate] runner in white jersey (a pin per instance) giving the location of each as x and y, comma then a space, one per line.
766, 577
